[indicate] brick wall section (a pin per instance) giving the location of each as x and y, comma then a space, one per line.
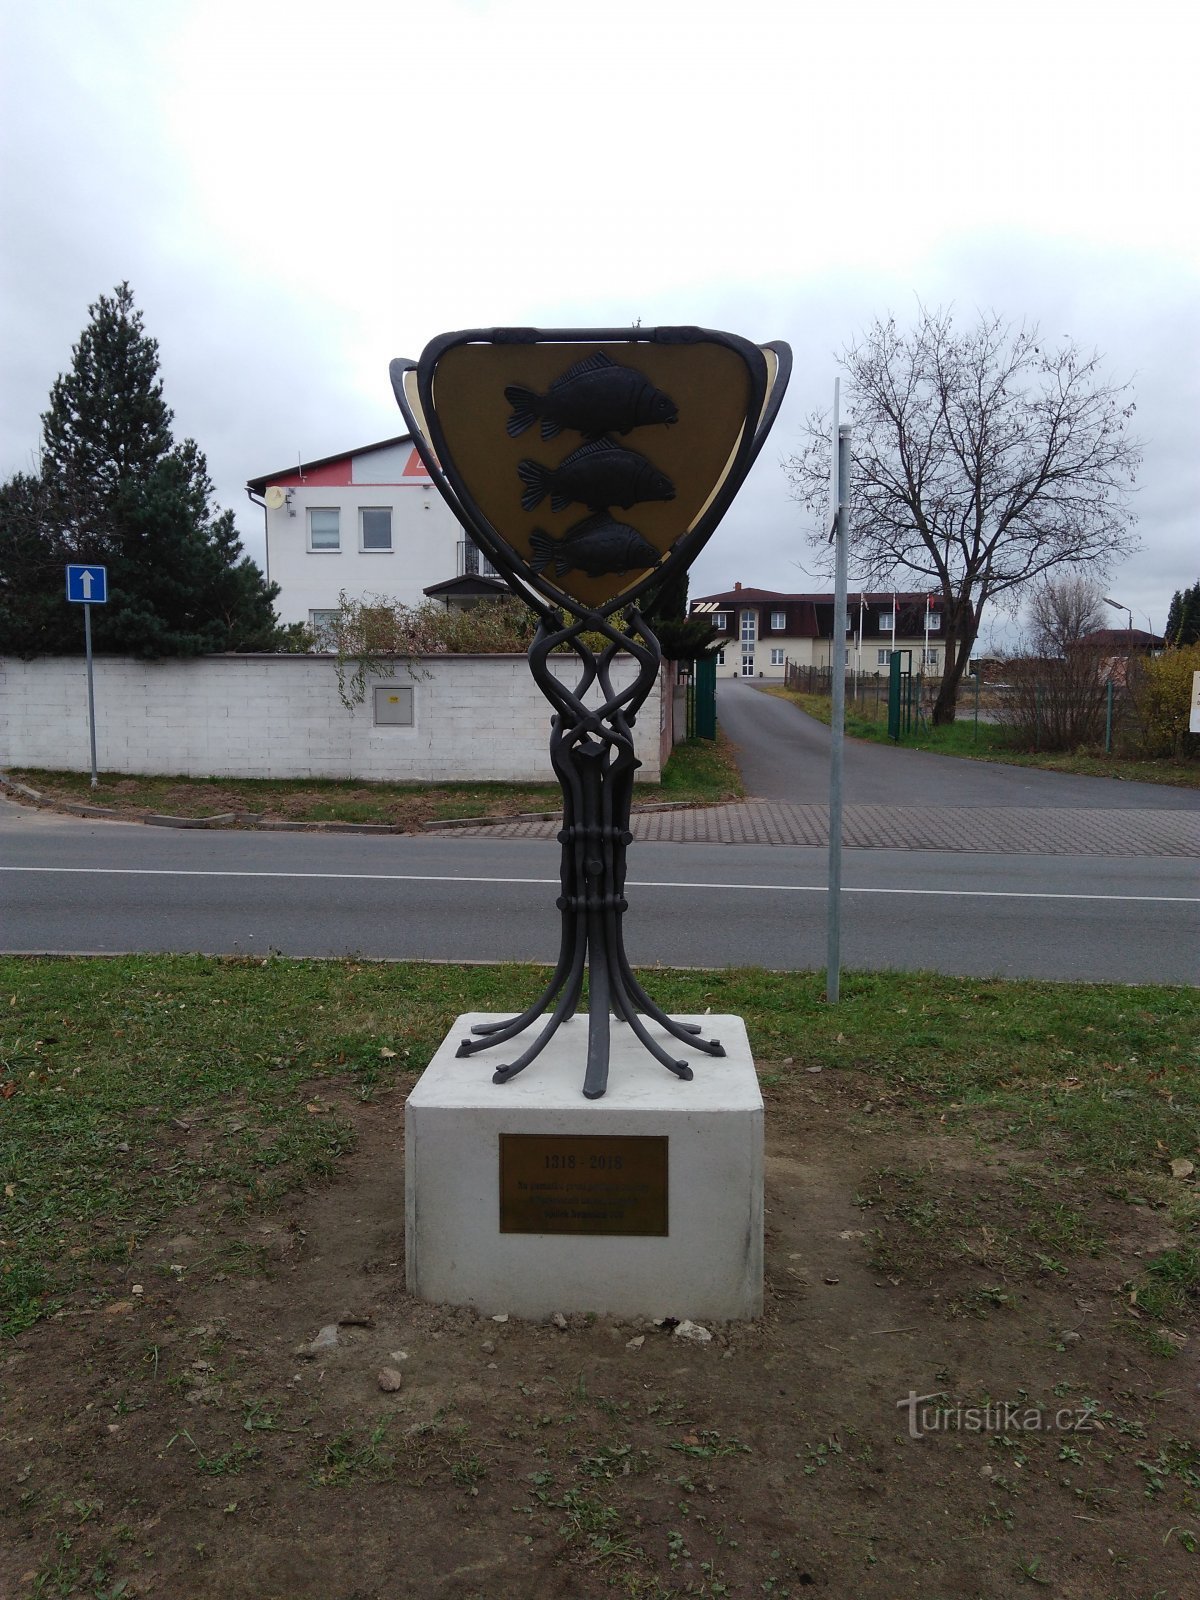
476, 718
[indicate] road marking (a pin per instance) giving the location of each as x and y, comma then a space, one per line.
632, 883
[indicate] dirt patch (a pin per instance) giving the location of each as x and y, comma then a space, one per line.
162, 1436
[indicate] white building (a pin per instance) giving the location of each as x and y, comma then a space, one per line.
366, 522
767, 631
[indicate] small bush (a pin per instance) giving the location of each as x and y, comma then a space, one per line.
1160, 693
368, 635
1057, 704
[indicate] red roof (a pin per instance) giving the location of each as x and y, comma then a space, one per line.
768, 596
319, 469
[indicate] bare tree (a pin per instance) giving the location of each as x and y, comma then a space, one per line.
1063, 608
983, 459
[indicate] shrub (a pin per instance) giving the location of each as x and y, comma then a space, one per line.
1057, 704
368, 635
1160, 692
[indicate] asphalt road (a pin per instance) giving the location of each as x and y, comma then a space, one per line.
69, 885
784, 755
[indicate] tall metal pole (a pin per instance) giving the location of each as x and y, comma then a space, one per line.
87, 642
833, 959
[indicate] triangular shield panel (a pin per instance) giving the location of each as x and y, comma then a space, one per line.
587, 463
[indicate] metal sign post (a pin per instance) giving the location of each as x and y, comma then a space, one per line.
837, 684
88, 587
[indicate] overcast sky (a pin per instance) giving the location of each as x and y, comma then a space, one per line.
298, 193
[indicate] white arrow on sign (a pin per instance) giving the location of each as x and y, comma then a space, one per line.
85, 583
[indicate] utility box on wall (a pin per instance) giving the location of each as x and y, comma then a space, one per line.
393, 706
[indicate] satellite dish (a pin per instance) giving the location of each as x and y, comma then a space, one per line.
275, 497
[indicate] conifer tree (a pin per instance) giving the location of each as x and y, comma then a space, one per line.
114, 487
1183, 619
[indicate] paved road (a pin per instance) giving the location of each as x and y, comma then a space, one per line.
784, 755
68, 885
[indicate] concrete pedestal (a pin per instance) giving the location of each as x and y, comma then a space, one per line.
708, 1264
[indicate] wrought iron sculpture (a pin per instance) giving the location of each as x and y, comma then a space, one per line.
470, 402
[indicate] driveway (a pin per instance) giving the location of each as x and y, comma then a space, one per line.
784, 755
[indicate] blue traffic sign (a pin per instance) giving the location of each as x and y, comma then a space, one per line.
88, 585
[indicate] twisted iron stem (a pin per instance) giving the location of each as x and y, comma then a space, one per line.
592, 753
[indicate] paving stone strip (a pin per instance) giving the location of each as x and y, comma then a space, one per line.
978, 830
1008, 830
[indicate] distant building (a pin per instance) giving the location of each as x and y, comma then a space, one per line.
366, 522
766, 630
1121, 641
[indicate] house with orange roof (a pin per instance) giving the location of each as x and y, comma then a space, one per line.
366, 522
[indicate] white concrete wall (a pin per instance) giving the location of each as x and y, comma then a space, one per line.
257, 716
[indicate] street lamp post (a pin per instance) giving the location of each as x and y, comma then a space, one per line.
1117, 606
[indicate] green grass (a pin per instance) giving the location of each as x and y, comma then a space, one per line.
987, 741
135, 1086
1171, 1285
698, 771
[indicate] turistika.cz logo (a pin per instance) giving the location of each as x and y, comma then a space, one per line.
935, 1413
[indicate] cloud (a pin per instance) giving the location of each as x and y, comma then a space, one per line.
296, 196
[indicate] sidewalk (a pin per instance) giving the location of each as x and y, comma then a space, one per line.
1008, 830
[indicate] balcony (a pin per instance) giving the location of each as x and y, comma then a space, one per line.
472, 563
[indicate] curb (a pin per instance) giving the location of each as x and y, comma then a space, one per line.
556, 816
484, 822
152, 820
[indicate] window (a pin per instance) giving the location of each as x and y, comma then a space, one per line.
375, 528
393, 706
887, 621
935, 622
776, 658
324, 528
322, 624
929, 658
883, 658
721, 621
779, 620
721, 656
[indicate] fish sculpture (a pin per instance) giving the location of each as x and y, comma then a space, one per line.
596, 396
598, 474
597, 545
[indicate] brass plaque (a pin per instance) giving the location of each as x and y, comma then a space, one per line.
583, 1183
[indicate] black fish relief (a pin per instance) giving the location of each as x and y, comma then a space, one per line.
598, 474
597, 545
596, 396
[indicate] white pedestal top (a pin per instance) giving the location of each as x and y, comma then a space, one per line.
554, 1080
